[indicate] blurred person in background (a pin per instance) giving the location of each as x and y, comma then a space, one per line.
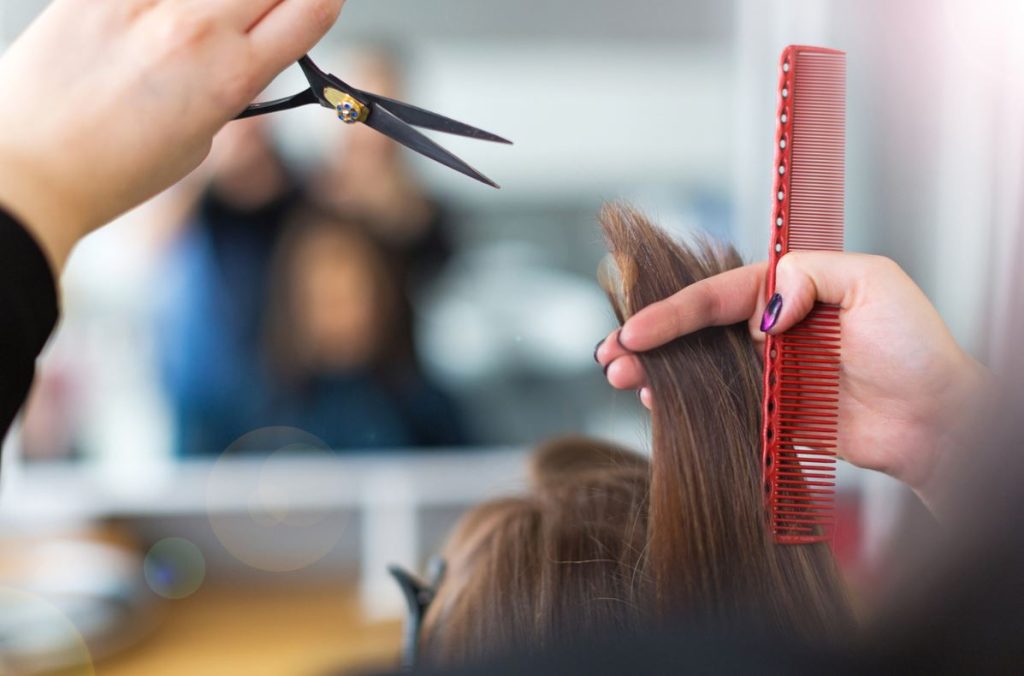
340, 351
212, 317
368, 175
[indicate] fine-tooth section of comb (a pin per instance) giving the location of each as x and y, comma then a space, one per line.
801, 384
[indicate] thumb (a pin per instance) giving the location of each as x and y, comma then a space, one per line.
805, 277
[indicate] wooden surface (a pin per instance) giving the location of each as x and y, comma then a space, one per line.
258, 629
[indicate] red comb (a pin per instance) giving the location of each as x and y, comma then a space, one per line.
801, 381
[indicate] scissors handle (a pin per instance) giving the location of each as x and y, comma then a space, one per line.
303, 98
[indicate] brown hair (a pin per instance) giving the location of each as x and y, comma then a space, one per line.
710, 550
606, 539
558, 563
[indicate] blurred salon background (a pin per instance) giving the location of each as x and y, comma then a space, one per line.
306, 360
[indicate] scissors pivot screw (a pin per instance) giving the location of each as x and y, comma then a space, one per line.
348, 113
350, 110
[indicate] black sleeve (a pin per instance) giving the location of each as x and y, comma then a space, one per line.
28, 313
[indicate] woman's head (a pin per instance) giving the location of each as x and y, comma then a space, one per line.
562, 561
337, 298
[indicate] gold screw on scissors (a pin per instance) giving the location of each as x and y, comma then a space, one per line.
349, 109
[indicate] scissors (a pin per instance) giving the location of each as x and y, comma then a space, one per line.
391, 118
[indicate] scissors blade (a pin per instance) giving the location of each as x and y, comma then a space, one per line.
390, 125
418, 117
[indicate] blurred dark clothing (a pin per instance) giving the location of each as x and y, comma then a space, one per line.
361, 410
28, 305
688, 650
242, 242
210, 325
424, 256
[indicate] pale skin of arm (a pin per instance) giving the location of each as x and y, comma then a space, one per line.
108, 103
909, 394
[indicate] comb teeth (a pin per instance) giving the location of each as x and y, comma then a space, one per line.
802, 365
816, 155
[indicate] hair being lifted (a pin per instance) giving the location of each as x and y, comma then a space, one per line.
710, 552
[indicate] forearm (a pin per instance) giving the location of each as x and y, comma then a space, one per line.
53, 220
959, 437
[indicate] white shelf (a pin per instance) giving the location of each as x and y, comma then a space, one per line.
78, 492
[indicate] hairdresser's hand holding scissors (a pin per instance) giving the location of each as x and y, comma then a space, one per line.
107, 103
908, 392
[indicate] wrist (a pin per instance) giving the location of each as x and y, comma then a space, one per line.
35, 196
958, 431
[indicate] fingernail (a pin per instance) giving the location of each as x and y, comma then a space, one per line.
606, 367
618, 339
771, 312
596, 348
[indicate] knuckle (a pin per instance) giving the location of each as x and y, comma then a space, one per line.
874, 268
883, 264
796, 260
711, 304
694, 304
788, 263
237, 89
324, 13
799, 267
625, 372
128, 12
185, 30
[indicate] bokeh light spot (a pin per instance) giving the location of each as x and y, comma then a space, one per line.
174, 568
271, 472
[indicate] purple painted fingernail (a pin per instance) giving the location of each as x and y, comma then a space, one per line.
596, 348
771, 312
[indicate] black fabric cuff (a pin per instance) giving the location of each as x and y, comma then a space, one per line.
28, 292
28, 313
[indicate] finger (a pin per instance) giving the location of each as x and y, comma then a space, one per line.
804, 277
243, 14
626, 373
727, 298
755, 330
757, 319
610, 349
646, 398
289, 30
